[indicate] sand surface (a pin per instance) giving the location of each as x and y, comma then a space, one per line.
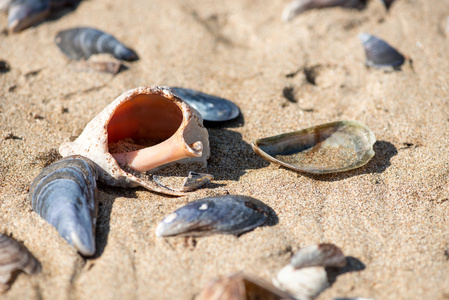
390, 217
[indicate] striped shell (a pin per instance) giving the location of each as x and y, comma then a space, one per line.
82, 42
65, 195
15, 256
379, 54
230, 214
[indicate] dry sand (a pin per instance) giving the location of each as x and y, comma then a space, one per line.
390, 216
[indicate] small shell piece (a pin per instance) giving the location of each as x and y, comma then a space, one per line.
379, 54
304, 284
325, 255
82, 42
143, 129
15, 256
297, 7
239, 286
193, 181
327, 148
65, 195
211, 108
24, 13
230, 214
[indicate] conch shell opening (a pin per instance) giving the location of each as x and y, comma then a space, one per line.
153, 122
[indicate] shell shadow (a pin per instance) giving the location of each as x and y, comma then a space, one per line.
379, 163
234, 123
231, 156
107, 196
352, 265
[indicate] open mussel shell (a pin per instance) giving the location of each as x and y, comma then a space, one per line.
65, 195
379, 54
327, 148
15, 256
211, 108
239, 286
230, 214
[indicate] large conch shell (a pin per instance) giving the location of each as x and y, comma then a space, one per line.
163, 128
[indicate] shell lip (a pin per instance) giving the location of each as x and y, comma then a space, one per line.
258, 144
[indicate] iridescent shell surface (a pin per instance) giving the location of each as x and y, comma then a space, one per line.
65, 195
230, 214
327, 148
15, 256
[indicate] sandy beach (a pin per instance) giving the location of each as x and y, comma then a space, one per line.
390, 217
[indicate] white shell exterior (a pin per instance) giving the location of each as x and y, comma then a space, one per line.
93, 141
304, 284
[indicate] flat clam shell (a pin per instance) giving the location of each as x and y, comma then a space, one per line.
239, 286
15, 256
379, 54
65, 195
325, 255
304, 283
230, 214
211, 108
327, 148
82, 42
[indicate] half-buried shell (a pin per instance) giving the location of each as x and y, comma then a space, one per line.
230, 214
379, 54
142, 130
327, 148
65, 195
15, 256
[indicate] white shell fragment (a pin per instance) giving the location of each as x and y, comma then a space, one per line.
15, 256
325, 255
144, 129
185, 184
304, 284
326, 148
239, 286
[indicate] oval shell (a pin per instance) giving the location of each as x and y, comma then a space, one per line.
379, 54
65, 195
327, 148
230, 214
15, 256
82, 42
142, 130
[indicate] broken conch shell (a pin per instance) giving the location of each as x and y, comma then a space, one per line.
143, 129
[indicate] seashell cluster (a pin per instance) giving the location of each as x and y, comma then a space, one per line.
297, 7
211, 108
327, 148
15, 256
65, 195
239, 286
306, 277
81, 43
230, 214
379, 54
143, 129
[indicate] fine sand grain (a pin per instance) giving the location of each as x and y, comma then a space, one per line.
391, 217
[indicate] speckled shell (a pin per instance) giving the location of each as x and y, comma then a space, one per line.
15, 256
239, 286
229, 214
93, 141
82, 42
65, 195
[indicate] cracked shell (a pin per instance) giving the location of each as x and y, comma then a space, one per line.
144, 129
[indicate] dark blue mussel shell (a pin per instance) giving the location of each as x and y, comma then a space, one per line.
211, 108
24, 13
65, 195
82, 42
379, 54
230, 214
